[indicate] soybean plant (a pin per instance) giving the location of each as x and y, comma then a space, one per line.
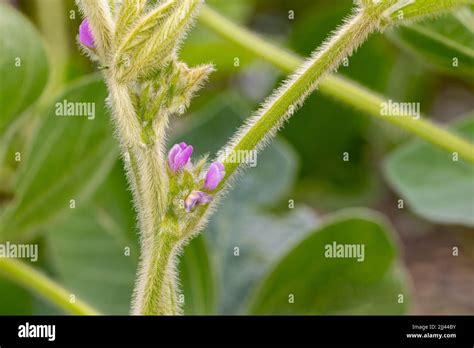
135, 45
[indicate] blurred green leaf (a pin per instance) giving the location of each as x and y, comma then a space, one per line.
445, 42
23, 64
321, 133
197, 279
434, 185
68, 159
204, 46
88, 251
245, 242
237, 10
240, 222
322, 285
115, 199
95, 251
19, 301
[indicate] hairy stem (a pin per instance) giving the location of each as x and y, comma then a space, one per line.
425, 8
337, 87
30, 278
155, 294
284, 102
143, 48
147, 176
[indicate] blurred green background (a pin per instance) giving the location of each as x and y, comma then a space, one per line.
83, 248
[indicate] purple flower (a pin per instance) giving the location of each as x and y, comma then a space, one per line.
214, 175
85, 34
179, 156
196, 198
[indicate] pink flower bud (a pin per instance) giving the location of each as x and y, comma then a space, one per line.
85, 34
214, 175
196, 198
179, 156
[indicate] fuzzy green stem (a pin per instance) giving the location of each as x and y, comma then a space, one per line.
334, 86
147, 176
143, 145
154, 294
425, 8
30, 278
290, 96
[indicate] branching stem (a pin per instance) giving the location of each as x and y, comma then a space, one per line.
340, 88
30, 278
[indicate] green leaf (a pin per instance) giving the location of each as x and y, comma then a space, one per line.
245, 241
202, 45
19, 301
324, 285
68, 159
115, 199
239, 11
88, 251
23, 64
197, 279
444, 43
205, 46
95, 250
434, 185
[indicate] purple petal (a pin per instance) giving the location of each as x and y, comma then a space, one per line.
183, 157
172, 154
179, 156
214, 175
85, 34
196, 198
220, 166
204, 198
